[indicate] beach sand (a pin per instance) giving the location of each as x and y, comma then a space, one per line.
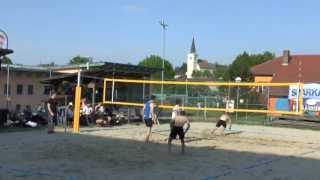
252, 152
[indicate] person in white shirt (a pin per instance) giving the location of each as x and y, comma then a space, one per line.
87, 110
175, 111
222, 123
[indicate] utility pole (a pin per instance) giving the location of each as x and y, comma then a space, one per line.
164, 28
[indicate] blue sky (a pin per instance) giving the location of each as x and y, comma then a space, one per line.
127, 31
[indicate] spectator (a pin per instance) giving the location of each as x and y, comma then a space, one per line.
69, 112
52, 112
27, 113
87, 110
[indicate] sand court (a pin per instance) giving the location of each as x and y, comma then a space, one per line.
246, 152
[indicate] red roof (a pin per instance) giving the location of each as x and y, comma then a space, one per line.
301, 68
204, 64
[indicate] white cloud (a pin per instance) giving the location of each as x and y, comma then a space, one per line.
133, 8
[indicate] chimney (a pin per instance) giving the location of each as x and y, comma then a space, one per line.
285, 57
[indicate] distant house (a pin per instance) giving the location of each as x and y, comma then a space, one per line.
287, 68
24, 87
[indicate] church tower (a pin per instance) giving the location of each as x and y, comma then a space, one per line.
192, 60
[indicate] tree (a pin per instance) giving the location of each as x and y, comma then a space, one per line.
80, 60
6, 60
196, 74
242, 64
181, 70
206, 74
156, 62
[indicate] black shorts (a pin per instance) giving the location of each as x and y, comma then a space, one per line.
148, 122
221, 123
177, 131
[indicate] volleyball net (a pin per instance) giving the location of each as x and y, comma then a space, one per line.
242, 97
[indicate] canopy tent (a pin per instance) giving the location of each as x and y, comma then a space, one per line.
98, 73
4, 52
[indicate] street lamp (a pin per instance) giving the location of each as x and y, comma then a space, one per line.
164, 28
237, 79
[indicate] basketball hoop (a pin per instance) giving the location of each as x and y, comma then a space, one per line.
2, 40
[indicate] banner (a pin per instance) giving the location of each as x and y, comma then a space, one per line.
310, 91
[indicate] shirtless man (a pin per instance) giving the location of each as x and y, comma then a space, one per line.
222, 123
177, 129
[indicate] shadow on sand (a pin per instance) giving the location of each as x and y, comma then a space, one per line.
37, 155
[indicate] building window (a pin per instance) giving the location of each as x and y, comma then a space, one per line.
30, 89
46, 90
19, 89
5, 89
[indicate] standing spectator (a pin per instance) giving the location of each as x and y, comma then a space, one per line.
41, 114
41, 110
52, 112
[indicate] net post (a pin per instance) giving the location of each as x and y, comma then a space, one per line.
205, 108
76, 118
104, 90
268, 106
112, 90
301, 86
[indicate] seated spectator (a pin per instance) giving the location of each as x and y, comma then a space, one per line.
27, 113
69, 111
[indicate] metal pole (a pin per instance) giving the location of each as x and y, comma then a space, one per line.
164, 26
143, 91
237, 103
78, 79
186, 101
268, 102
8, 84
93, 98
65, 113
297, 99
205, 108
163, 57
112, 90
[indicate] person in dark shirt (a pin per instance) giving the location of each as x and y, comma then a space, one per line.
52, 112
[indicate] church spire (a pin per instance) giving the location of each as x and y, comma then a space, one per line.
193, 47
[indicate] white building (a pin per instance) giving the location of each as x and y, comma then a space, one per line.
195, 64
192, 61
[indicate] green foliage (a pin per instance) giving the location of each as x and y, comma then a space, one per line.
242, 64
80, 60
156, 62
206, 74
181, 70
6, 60
220, 72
